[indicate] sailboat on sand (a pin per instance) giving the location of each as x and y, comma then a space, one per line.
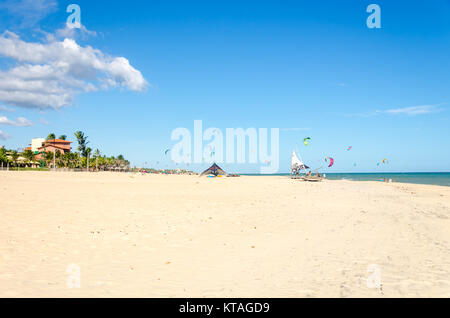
297, 166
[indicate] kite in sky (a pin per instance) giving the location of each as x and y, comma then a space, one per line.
331, 162
306, 141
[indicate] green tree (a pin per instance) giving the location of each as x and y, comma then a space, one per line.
88, 155
14, 157
65, 159
82, 143
51, 136
3, 156
63, 137
48, 158
29, 155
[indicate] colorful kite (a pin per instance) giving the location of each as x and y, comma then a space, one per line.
306, 141
331, 162
165, 152
349, 148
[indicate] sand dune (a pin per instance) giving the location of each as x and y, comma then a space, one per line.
185, 236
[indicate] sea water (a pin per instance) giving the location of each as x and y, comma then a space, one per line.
435, 178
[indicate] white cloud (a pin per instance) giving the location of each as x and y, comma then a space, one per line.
4, 136
414, 110
70, 32
29, 12
19, 122
410, 111
49, 75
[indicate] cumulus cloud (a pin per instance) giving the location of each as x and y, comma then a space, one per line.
71, 32
19, 122
4, 136
49, 75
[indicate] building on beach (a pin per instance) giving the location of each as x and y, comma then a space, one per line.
36, 143
54, 145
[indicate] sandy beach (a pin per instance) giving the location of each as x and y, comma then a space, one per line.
133, 235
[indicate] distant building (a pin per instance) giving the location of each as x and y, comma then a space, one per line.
55, 145
36, 144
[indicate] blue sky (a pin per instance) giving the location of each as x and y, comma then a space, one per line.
311, 68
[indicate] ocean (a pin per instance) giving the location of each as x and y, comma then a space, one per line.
435, 178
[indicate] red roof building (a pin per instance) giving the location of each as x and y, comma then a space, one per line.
54, 145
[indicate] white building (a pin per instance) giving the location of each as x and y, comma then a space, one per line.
36, 144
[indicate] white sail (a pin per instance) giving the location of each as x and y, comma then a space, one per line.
296, 164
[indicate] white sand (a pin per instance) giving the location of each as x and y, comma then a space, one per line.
185, 236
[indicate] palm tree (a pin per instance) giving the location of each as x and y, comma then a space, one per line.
71, 159
3, 157
63, 137
102, 162
88, 157
65, 159
51, 136
96, 155
14, 157
29, 155
110, 162
82, 143
48, 157
59, 160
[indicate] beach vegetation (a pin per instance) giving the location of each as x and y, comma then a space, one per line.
29, 156
76, 160
14, 157
3, 157
82, 143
